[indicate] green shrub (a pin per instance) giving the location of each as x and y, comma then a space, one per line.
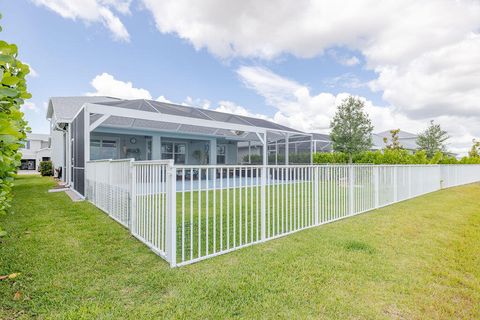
392, 156
13, 127
330, 157
46, 168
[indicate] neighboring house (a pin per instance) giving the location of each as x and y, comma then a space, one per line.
406, 139
37, 149
90, 128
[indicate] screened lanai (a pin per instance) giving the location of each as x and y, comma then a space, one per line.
153, 130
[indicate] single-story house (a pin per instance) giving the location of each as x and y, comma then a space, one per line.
35, 150
91, 128
406, 139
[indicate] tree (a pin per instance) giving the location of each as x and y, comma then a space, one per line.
475, 151
394, 142
432, 139
351, 128
13, 127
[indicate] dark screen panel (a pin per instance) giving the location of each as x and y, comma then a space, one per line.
78, 149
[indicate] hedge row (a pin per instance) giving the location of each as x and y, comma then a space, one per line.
398, 156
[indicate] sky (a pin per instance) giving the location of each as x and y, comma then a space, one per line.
292, 62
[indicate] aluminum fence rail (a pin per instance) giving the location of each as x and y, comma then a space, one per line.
189, 213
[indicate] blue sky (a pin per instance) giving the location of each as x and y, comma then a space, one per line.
68, 54
292, 63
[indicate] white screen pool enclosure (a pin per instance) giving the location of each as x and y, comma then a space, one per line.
153, 116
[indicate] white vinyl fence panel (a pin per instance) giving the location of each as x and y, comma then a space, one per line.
189, 213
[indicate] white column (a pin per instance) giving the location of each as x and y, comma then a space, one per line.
86, 146
287, 147
213, 157
156, 147
68, 156
86, 125
213, 151
276, 152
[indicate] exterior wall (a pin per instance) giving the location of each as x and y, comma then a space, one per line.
58, 139
125, 146
193, 144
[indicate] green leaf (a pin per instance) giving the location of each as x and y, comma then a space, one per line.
6, 58
8, 92
10, 81
26, 95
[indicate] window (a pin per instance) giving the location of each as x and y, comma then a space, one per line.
27, 144
109, 143
175, 151
221, 154
103, 149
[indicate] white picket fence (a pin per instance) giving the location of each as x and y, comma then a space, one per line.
189, 213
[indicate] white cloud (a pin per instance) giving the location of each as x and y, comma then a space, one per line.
299, 108
106, 85
425, 53
93, 11
442, 81
163, 99
343, 59
231, 107
346, 80
203, 103
386, 30
29, 106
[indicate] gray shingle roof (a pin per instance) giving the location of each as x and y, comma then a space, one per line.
65, 108
401, 134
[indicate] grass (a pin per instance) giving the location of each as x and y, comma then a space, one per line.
416, 259
214, 220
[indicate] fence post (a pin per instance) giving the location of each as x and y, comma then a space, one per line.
395, 187
376, 184
133, 196
110, 188
171, 226
351, 185
263, 189
409, 181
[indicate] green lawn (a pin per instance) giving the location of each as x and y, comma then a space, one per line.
416, 259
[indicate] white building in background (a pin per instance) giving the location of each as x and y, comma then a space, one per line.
37, 149
406, 139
